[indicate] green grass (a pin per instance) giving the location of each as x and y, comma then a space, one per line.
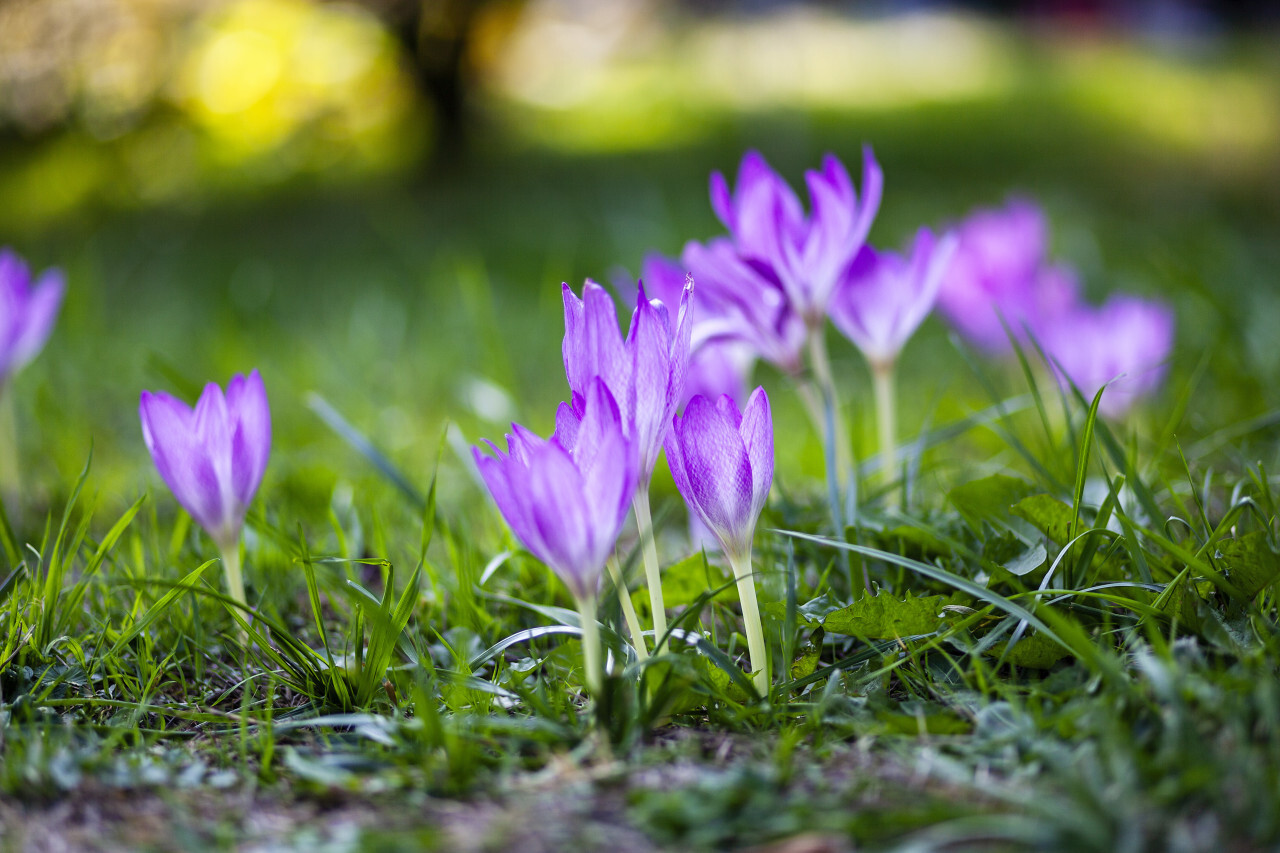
1074, 646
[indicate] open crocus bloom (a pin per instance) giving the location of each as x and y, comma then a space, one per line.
993, 276
806, 253
884, 297
1125, 342
716, 365
743, 302
212, 457
566, 498
645, 372
722, 463
27, 312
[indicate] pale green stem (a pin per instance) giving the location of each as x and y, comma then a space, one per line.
10, 470
235, 579
820, 363
759, 655
882, 373
592, 660
652, 572
812, 402
628, 609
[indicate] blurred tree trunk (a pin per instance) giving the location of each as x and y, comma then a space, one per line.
436, 35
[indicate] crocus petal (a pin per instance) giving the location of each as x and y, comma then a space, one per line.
718, 471
251, 440
649, 343
168, 428
757, 435
40, 312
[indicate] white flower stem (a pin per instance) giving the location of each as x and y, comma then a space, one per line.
652, 572
759, 655
628, 609
882, 373
592, 660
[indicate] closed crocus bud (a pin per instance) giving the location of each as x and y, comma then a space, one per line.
806, 253
566, 498
211, 457
884, 297
722, 462
27, 312
645, 372
1125, 342
994, 274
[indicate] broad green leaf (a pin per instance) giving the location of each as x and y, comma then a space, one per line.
682, 583
990, 498
1050, 516
885, 616
1031, 652
1250, 564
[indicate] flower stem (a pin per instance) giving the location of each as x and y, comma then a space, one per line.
628, 609
836, 438
592, 661
235, 579
886, 416
756, 650
10, 470
652, 573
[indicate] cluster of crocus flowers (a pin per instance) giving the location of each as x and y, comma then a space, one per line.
1002, 288
645, 372
213, 458
768, 288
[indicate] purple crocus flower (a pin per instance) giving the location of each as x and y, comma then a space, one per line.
645, 372
716, 365
1127, 340
722, 462
566, 498
994, 273
744, 302
806, 253
212, 457
27, 312
884, 297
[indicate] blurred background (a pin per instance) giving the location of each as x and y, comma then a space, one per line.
376, 201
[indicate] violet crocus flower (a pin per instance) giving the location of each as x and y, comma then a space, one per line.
884, 297
993, 276
1124, 342
717, 365
739, 301
806, 253
27, 312
213, 457
722, 462
645, 372
566, 498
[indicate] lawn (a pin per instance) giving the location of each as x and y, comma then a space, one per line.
1073, 645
